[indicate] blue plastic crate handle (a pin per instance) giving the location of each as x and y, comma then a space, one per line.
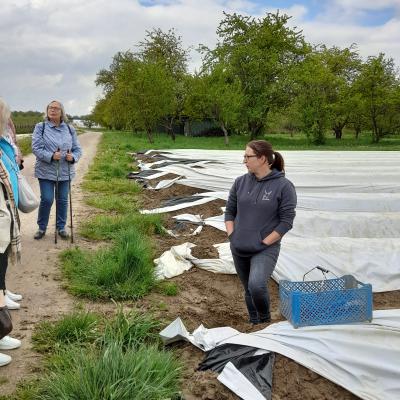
322, 269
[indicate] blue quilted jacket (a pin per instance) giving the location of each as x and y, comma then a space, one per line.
46, 141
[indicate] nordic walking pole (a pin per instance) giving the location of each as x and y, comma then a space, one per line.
57, 176
70, 200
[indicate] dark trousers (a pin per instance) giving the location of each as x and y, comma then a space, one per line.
3, 268
47, 193
254, 273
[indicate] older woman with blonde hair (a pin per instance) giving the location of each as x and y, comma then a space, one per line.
56, 147
10, 244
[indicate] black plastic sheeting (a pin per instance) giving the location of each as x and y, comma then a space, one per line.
257, 369
173, 201
142, 174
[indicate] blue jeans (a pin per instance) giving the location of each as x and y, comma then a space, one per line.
254, 273
47, 191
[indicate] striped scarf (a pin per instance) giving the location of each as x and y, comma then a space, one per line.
15, 254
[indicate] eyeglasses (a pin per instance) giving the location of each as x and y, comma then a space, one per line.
246, 157
54, 108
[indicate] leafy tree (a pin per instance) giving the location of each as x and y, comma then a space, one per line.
260, 53
107, 78
343, 66
143, 90
378, 86
215, 94
166, 50
314, 82
324, 90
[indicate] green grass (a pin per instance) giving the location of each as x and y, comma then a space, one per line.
141, 373
106, 227
168, 288
123, 271
113, 185
75, 328
121, 358
131, 330
115, 203
128, 141
25, 145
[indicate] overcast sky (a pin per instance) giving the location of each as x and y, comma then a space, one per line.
52, 49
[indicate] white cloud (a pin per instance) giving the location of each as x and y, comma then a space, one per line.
366, 4
53, 49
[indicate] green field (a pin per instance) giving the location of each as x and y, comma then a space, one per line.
280, 141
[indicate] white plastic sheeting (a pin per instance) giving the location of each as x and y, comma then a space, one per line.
179, 206
326, 224
332, 253
362, 358
348, 214
179, 259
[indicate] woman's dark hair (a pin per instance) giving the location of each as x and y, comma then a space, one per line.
264, 148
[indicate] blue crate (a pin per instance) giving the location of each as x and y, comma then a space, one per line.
324, 302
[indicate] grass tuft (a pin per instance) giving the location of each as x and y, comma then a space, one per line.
114, 185
142, 373
124, 271
116, 203
106, 227
131, 330
168, 288
75, 328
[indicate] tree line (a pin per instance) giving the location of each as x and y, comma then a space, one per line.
261, 72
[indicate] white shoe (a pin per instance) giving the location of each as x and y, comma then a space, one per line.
11, 304
9, 343
13, 296
4, 359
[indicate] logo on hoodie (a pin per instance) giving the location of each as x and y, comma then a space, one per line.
266, 195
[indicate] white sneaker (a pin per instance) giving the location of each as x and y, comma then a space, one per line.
4, 359
13, 296
11, 304
9, 343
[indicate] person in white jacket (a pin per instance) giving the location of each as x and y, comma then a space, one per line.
10, 244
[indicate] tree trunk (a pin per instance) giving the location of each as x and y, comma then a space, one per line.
375, 133
357, 130
170, 128
171, 133
338, 131
149, 135
255, 129
225, 133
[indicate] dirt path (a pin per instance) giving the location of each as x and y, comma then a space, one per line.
38, 278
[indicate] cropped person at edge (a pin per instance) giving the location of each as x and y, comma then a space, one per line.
10, 237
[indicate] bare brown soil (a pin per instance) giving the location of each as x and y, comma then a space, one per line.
211, 299
216, 300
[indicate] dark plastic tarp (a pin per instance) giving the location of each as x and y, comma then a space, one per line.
256, 368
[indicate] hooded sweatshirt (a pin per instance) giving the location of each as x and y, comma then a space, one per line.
259, 207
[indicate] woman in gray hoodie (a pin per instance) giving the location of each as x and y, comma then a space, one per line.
260, 210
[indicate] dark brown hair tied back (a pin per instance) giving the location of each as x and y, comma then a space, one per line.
264, 148
279, 162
